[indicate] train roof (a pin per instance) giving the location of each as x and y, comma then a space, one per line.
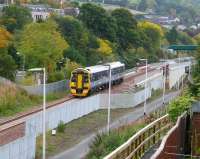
97, 68
116, 64
100, 68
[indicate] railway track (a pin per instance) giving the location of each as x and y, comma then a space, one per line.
22, 116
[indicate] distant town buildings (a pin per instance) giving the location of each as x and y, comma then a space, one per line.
167, 22
42, 12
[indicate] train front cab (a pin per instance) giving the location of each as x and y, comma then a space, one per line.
80, 83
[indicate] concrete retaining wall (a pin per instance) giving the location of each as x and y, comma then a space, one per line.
176, 73
65, 112
124, 100
21, 148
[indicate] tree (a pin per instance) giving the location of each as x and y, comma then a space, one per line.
98, 21
153, 31
105, 50
74, 31
172, 36
15, 17
7, 65
42, 45
4, 38
126, 27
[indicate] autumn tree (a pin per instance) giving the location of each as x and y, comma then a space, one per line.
7, 64
153, 31
105, 50
4, 38
42, 45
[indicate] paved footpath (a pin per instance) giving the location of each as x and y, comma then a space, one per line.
81, 149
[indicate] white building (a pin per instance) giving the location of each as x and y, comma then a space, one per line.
39, 12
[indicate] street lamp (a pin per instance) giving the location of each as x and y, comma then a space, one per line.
145, 101
18, 53
164, 80
44, 107
109, 96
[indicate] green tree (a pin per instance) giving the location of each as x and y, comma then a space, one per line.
42, 45
74, 31
126, 27
172, 36
7, 65
98, 21
15, 17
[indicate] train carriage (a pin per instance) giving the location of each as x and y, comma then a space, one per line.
95, 78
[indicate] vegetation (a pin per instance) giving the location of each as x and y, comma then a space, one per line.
77, 130
180, 105
14, 17
95, 35
103, 144
41, 42
61, 127
14, 100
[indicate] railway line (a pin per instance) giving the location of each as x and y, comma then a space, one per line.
129, 80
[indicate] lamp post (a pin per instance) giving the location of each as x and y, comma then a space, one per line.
109, 96
164, 80
44, 108
179, 62
146, 75
18, 53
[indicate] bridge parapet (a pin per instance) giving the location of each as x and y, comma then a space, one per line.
143, 140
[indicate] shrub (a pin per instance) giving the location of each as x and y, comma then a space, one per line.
179, 106
103, 144
14, 100
61, 127
56, 76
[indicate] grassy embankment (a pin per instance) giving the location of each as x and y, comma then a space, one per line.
14, 100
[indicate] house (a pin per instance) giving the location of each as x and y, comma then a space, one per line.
38, 12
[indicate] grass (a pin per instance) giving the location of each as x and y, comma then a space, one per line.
15, 100
77, 130
105, 143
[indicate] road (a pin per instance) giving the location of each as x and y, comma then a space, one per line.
81, 149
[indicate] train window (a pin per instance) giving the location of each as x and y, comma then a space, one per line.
73, 78
85, 78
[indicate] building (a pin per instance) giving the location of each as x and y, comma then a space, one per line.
39, 12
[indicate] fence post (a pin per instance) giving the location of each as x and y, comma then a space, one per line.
154, 137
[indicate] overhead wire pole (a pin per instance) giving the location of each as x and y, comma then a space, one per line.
164, 80
44, 114
146, 76
145, 91
109, 97
44, 109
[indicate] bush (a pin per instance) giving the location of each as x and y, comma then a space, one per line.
103, 144
15, 100
61, 127
56, 76
179, 106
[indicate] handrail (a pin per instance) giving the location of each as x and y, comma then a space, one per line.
162, 145
136, 145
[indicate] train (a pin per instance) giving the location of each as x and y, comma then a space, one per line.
85, 81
